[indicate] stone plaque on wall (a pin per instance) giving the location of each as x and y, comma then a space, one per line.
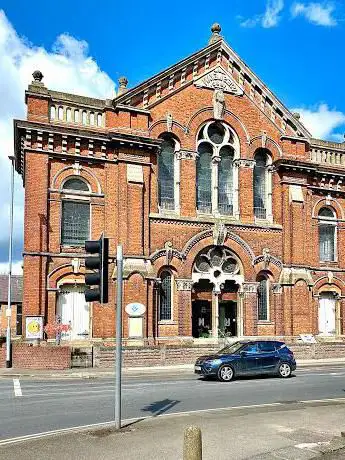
135, 173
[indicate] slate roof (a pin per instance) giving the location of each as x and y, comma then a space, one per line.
16, 288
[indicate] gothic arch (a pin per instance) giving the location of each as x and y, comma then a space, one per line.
206, 114
264, 142
160, 127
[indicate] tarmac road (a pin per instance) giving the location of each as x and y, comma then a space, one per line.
30, 406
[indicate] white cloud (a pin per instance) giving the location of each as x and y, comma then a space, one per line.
17, 268
322, 121
316, 13
67, 67
270, 18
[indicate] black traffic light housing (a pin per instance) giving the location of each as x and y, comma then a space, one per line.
99, 263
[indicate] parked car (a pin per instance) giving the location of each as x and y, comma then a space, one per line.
248, 357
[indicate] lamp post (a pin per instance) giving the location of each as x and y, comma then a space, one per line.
9, 308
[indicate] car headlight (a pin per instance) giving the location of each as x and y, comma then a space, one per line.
215, 362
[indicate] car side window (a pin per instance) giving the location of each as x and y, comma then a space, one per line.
267, 347
250, 348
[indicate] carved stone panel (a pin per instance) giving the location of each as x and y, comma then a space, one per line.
218, 78
184, 284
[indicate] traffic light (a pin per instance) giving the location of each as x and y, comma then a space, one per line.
98, 263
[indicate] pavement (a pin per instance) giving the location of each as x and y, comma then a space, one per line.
266, 432
97, 372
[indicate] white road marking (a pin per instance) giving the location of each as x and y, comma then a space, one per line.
16, 387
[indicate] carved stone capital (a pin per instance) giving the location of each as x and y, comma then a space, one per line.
184, 284
250, 288
244, 163
277, 288
186, 155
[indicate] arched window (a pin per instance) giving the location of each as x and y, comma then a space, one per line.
167, 180
76, 116
217, 148
260, 184
263, 299
52, 112
68, 114
327, 234
225, 181
75, 184
92, 118
99, 119
75, 219
165, 310
60, 113
204, 178
84, 117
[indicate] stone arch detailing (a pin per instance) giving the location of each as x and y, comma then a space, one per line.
264, 142
208, 233
78, 171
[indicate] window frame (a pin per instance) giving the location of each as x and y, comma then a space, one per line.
267, 184
70, 195
176, 179
166, 320
328, 222
230, 139
267, 318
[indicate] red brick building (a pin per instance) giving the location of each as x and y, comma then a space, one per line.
230, 214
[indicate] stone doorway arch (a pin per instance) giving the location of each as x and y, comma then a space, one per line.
217, 308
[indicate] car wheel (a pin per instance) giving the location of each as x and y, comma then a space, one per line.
225, 373
284, 370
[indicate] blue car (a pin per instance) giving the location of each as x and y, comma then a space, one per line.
248, 357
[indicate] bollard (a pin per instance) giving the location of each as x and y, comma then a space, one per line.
192, 443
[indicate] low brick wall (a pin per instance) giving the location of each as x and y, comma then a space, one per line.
41, 357
171, 354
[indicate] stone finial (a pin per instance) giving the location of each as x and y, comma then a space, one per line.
215, 29
297, 115
123, 82
38, 76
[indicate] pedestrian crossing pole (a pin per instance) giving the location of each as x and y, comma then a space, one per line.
118, 350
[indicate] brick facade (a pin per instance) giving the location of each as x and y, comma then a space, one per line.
115, 146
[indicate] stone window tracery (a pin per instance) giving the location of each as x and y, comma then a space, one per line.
217, 175
217, 264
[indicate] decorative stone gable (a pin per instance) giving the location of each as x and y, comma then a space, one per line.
218, 78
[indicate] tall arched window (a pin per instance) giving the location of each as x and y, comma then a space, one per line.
260, 184
75, 219
263, 299
204, 178
327, 234
217, 148
68, 114
52, 112
167, 175
165, 310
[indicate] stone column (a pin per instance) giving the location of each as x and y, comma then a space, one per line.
215, 314
278, 308
250, 308
184, 295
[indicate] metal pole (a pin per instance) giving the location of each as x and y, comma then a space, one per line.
9, 308
118, 356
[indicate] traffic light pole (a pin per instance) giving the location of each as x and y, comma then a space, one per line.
118, 356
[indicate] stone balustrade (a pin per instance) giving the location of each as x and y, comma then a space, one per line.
76, 115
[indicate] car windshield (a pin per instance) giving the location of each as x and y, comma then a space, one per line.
231, 348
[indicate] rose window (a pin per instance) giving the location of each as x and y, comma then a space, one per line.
218, 265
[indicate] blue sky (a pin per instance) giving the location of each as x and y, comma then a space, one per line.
295, 47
